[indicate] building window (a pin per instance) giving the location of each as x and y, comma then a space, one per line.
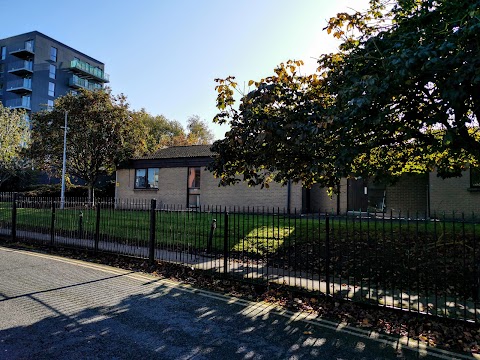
194, 178
4, 53
29, 45
53, 71
51, 89
146, 178
49, 104
193, 183
475, 177
53, 53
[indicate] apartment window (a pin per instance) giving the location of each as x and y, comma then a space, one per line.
475, 177
29, 45
2, 67
146, 178
51, 89
49, 104
53, 53
193, 183
53, 71
4, 53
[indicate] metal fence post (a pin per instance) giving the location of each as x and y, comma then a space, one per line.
52, 224
225, 245
97, 229
14, 217
151, 252
327, 253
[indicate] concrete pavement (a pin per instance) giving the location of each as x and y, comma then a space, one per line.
56, 308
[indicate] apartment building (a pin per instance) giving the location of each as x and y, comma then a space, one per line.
36, 69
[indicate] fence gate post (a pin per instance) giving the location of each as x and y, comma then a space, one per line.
225, 245
151, 252
97, 229
14, 217
52, 224
327, 253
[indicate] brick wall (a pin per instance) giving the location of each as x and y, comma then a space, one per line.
410, 194
173, 191
453, 195
320, 201
172, 187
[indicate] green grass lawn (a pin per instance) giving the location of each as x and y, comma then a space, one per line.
403, 253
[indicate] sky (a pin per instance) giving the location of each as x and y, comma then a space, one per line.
164, 55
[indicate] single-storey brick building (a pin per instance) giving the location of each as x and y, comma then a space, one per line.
177, 176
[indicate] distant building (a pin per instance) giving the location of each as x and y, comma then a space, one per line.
36, 69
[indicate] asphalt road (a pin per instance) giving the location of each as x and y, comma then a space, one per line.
55, 308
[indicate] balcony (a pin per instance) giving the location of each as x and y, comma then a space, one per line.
80, 83
89, 71
20, 86
21, 68
24, 50
21, 103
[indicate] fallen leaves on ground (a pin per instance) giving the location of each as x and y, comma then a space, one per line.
435, 332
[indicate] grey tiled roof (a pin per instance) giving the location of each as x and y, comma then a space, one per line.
173, 152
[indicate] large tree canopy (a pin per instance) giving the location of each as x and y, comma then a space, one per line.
401, 95
159, 132
101, 133
14, 138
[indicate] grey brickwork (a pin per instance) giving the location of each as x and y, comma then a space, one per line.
321, 201
453, 196
409, 194
172, 190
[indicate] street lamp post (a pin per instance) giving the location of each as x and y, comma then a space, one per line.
64, 167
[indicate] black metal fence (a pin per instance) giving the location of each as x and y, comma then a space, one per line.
410, 262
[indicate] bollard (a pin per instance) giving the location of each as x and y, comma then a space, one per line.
80, 225
210, 238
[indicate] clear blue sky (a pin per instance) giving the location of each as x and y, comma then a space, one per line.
164, 55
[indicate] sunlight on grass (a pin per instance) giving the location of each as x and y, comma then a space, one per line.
264, 239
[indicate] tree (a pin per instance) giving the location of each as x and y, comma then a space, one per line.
198, 131
280, 131
101, 134
160, 132
406, 80
401, 95
14, 138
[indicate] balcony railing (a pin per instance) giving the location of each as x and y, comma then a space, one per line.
20, 85
78, 82
21, 103
23, 49
89, 70
21, 67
